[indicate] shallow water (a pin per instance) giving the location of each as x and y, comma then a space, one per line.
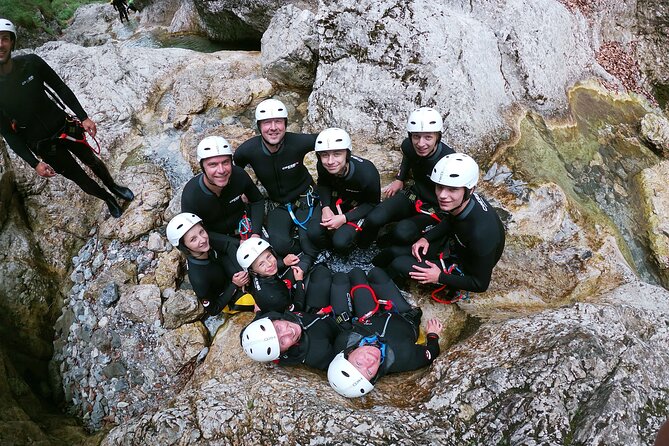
195, 42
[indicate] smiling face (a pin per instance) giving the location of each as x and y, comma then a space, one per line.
265, 265
217, 171
273, 130
196, 240
6, 44
424, 143
451, 199
366, 360
289, 333
334, 161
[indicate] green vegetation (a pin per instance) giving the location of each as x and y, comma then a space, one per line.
35, 15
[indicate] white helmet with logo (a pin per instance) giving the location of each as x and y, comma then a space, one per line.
346, 380
456, 170
180, 225
425, 119
260, 341
249, 251
333, 139
271, 108
212, 146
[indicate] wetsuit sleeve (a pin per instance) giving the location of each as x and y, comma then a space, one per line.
308, 142
19, 146
240, 157
298, 295
54, 81
371, 197
217, 303
324, 186
222, 242
421, 355
403, 173
477, 276
257, 204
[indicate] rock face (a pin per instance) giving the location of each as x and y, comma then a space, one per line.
562, 374
236, 20
129, 350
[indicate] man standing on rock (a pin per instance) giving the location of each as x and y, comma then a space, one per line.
33, 122
277, 158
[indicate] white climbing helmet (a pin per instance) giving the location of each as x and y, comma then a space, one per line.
333, 139
425, 119
271, 108
6, 25
180, 225
456, 170
249, 251
260, 341
346, 380
212, 146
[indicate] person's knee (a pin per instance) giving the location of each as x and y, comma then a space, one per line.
342, 241
378, 275
406, 232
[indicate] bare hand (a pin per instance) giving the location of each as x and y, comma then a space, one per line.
434, 326
426, 275
326, 214
419, 248
89, 126
335, 222
298, 273
44, 170
240, 279
291, 259
392, 188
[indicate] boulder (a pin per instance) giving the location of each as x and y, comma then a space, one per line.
141, 303
181, 308
655, 132
290, 48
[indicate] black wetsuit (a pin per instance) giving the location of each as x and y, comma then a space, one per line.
359, 190
402, 205
31, 122
211, 277
120, 6
474, 240
274, 294
222, 213
286, 180
398, 328
316, 345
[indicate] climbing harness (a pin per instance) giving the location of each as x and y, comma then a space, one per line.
387, 304
244, 227
311, 197
74, 131
420, 210
350, 223
449, 270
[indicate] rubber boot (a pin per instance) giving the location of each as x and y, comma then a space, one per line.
123, 192
114, 209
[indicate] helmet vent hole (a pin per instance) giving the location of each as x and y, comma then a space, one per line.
269, 351
262, 327
180, 226
345, 373
338, 140
454, 175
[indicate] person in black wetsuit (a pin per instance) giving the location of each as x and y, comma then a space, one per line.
213, 272
294, 337
33, 124
276, 285
277, 158
121, 7
411, 207
381, 340
462, 250
349, 187
216, 194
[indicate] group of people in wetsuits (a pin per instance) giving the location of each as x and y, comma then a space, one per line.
356, 325
122, 7
249, 251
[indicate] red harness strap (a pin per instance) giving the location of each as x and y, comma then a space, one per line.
419, 209
82, 141
387, 304
448, 270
